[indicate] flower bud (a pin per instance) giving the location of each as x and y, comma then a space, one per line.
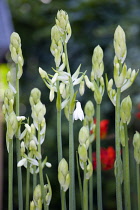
43, 73
38, 112
97, 62
84, 136
37, 194
82, 151
82, 88
51, 96
89, 169
32, 205
32, 145
22, 148
122, 134
136, 144
35, 96
12, 125
63, 175
89, 110
88, 83
110, 84
120, 44
126, 107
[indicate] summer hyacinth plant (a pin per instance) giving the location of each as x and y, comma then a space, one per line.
30, 132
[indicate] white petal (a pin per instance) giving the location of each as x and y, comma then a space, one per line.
21, 162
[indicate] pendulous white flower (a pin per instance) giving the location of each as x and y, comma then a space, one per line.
78, 113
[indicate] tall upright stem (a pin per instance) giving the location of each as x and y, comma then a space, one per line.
59, 139
90, 181
72, 204
138, 185
126, 172
85, 190
10, 175
27, 185
118, 155
41, 172
71, 165
19, 174
34, 178
99, 179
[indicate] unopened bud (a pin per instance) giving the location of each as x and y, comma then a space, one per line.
136, 144
126, 107
82, 151
97, 62
63, 175
120, 44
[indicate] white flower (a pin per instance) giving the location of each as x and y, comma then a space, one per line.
78, 113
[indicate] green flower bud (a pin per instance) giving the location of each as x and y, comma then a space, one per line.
32, 205
37, 194
62, 22
122, 134
136, 144
88, 83
120, 44
38, 112
51, 96
82, 88
82, 151
97, 62
43, 74
120, 77
89, 170
39, 204
63, 175
32, 145
22, 148
12, 125
55, 34
97, 93
126, 107
35, 96
48, 192
84, 136
16, 52
89, 110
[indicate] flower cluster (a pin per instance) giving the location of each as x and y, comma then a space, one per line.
107, 156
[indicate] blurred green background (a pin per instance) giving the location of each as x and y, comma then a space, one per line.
93, 22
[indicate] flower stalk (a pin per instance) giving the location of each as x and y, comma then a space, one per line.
118, 157
99, 180
19, 173
10, 175
27, 186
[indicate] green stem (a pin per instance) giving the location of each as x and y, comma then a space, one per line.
79, 181
90, 181
127, 172
85, 190
71, 165
10, 176
118, 156
41, 172
27, 185
59, 139
19, 174
67, 61
72, 204
99, 179
34, 178
138, 185
63, 200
